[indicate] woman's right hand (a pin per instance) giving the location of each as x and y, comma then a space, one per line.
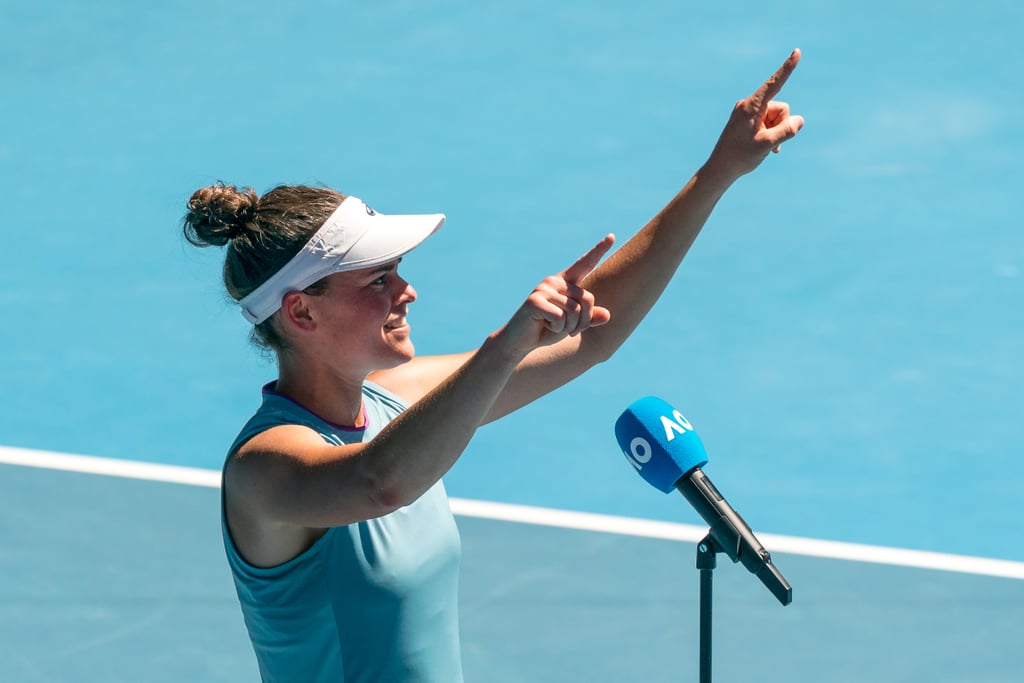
558, 307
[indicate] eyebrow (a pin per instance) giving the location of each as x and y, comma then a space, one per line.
387, 267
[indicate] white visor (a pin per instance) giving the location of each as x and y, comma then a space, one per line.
354, 236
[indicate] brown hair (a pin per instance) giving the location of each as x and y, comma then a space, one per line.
261, 234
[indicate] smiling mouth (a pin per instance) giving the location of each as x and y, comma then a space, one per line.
397, 324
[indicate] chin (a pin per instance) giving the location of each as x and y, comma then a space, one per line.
403, 353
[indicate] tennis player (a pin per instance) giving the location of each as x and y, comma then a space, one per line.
337, 528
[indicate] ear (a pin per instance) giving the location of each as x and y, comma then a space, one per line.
297, 313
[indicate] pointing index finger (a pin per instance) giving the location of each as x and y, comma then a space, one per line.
774, 84
586, 263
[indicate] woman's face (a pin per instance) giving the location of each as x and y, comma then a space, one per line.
362, 316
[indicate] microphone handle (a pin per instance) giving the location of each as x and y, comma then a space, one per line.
731, 532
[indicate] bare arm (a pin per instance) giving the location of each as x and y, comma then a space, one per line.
634, 277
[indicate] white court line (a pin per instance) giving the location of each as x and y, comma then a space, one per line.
524, 514
110, 467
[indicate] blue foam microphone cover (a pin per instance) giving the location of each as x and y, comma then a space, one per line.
659, 442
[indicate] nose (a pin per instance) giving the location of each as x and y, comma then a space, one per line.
406, 292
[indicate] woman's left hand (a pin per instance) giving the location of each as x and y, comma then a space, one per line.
758, 125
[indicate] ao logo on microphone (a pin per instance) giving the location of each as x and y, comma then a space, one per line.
640, 448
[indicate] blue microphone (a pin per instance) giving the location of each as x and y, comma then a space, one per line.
664, 448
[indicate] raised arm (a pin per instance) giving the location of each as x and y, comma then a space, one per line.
634, 277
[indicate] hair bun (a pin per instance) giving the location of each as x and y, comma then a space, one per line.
219, 213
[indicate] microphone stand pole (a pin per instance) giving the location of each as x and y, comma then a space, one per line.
728, 534
706, 563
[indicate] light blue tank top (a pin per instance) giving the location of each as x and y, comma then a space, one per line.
369, 602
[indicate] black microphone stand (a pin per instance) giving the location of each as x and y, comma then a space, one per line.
706, 563
731, 535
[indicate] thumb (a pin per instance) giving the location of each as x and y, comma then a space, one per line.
783, 131
599, 316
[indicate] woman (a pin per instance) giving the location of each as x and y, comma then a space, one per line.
337, 529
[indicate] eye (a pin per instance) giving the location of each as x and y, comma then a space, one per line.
384, 274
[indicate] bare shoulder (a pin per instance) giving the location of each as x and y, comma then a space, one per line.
274, 448
253, 481
288, 478
271, 464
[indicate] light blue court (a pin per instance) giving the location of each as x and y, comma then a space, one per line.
122, 579
846, 335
